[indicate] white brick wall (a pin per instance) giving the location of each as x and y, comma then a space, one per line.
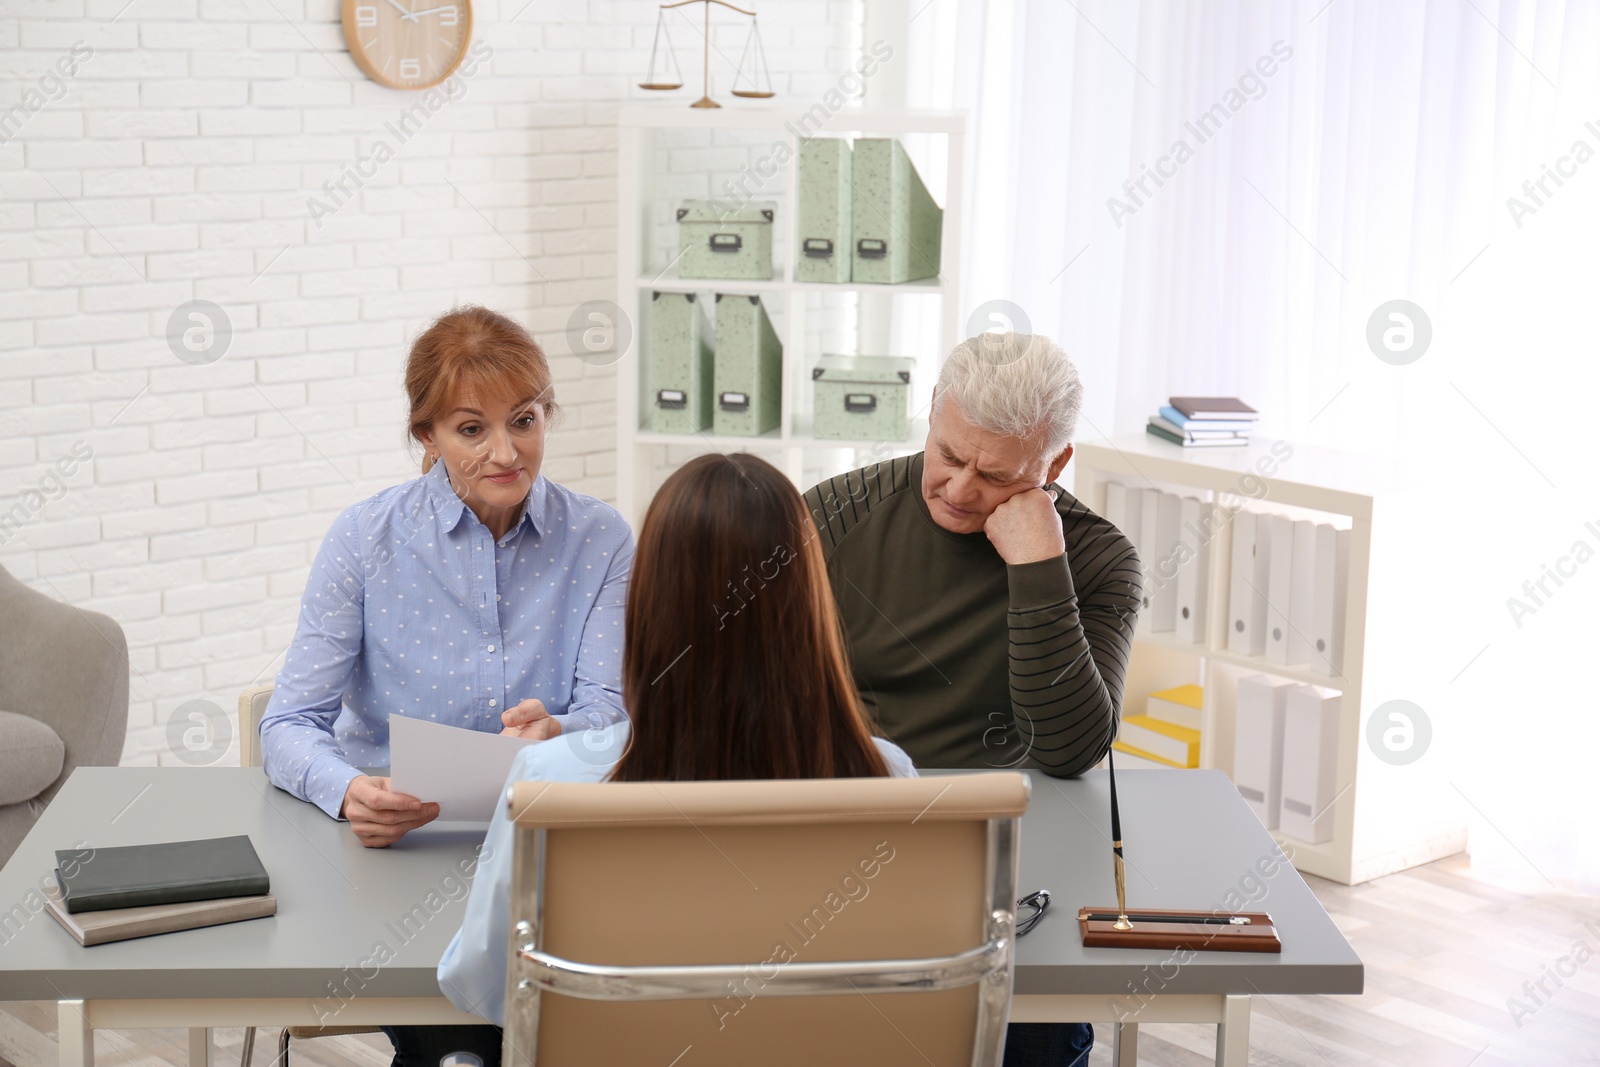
176, 163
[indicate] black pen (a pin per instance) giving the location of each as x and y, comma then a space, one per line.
1122, 922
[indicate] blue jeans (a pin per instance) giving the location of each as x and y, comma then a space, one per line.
1048, 1044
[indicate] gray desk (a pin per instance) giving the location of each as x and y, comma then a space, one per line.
317, 962
358, 932
1189, 841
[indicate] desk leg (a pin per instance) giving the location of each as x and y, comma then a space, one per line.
1125, 1044
199, 1046
76, 1036
1233, 1032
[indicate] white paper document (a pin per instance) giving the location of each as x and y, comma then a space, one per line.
460, 770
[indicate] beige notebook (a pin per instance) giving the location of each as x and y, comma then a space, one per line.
120, 924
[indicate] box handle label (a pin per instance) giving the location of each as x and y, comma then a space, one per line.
860, 403
817, 247
734, 401
672, 399
872, 248
726, 242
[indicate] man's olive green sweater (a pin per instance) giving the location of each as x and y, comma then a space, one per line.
962, 659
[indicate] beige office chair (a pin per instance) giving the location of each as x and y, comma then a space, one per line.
785, 923
252, 706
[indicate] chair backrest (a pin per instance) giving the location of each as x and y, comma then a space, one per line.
67, 668
252, 705
779, 922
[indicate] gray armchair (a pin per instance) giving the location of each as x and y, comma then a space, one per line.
63, 700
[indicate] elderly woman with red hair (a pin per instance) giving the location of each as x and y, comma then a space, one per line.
480, 595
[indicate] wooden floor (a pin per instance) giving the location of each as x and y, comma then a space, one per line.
1445, 953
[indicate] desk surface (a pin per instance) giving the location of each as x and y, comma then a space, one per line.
337, 901
1189, 841
373, 923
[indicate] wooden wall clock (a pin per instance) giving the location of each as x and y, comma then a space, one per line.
407, 44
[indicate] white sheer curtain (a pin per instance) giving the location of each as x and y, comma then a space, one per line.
1376, 162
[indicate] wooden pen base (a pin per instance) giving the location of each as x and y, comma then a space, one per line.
1194, 930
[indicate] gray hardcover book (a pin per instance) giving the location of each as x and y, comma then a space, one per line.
172, 872
121, 924
896, 226
749, 368
824, 211
678, 397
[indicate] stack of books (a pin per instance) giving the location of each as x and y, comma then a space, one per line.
1166, 735
112, 894
1204, 421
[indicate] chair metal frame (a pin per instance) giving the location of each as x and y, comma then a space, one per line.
532, 971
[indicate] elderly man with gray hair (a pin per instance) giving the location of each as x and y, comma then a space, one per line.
989, 613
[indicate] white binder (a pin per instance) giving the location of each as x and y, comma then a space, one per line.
1328, 600
1280, 579
1247, 584
1302, 588
1258, 744
1310, 763
1164, 564
1116, 512
1194, 568
1142, 511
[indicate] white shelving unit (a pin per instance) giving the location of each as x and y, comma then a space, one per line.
1387, 818
640, 189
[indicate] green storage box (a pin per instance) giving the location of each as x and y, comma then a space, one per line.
896, 226
718, 241
749, 368
679, 384
824, 211
862, 398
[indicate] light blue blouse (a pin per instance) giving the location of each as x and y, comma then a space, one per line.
413, 608
472, 972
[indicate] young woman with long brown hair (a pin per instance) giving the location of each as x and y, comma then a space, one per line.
733, 667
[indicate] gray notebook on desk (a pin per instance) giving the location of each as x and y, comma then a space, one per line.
171, 872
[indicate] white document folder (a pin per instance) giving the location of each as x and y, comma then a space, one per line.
1310, 763
1197, 529
1164, 564
1116, 512
1328, 600
1280, 581
1247, 584
1302, 589
1258, 744
1142, 510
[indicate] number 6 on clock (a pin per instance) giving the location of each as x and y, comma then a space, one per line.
433, 35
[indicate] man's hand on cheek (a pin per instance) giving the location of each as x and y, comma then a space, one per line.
1025, 528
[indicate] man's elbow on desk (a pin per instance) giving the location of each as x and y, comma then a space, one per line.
1072, 764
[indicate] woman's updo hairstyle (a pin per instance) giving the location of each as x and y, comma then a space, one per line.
472, 351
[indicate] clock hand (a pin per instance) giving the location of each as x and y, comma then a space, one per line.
431, 11
410, 16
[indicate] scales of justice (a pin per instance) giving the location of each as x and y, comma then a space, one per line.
756, 85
